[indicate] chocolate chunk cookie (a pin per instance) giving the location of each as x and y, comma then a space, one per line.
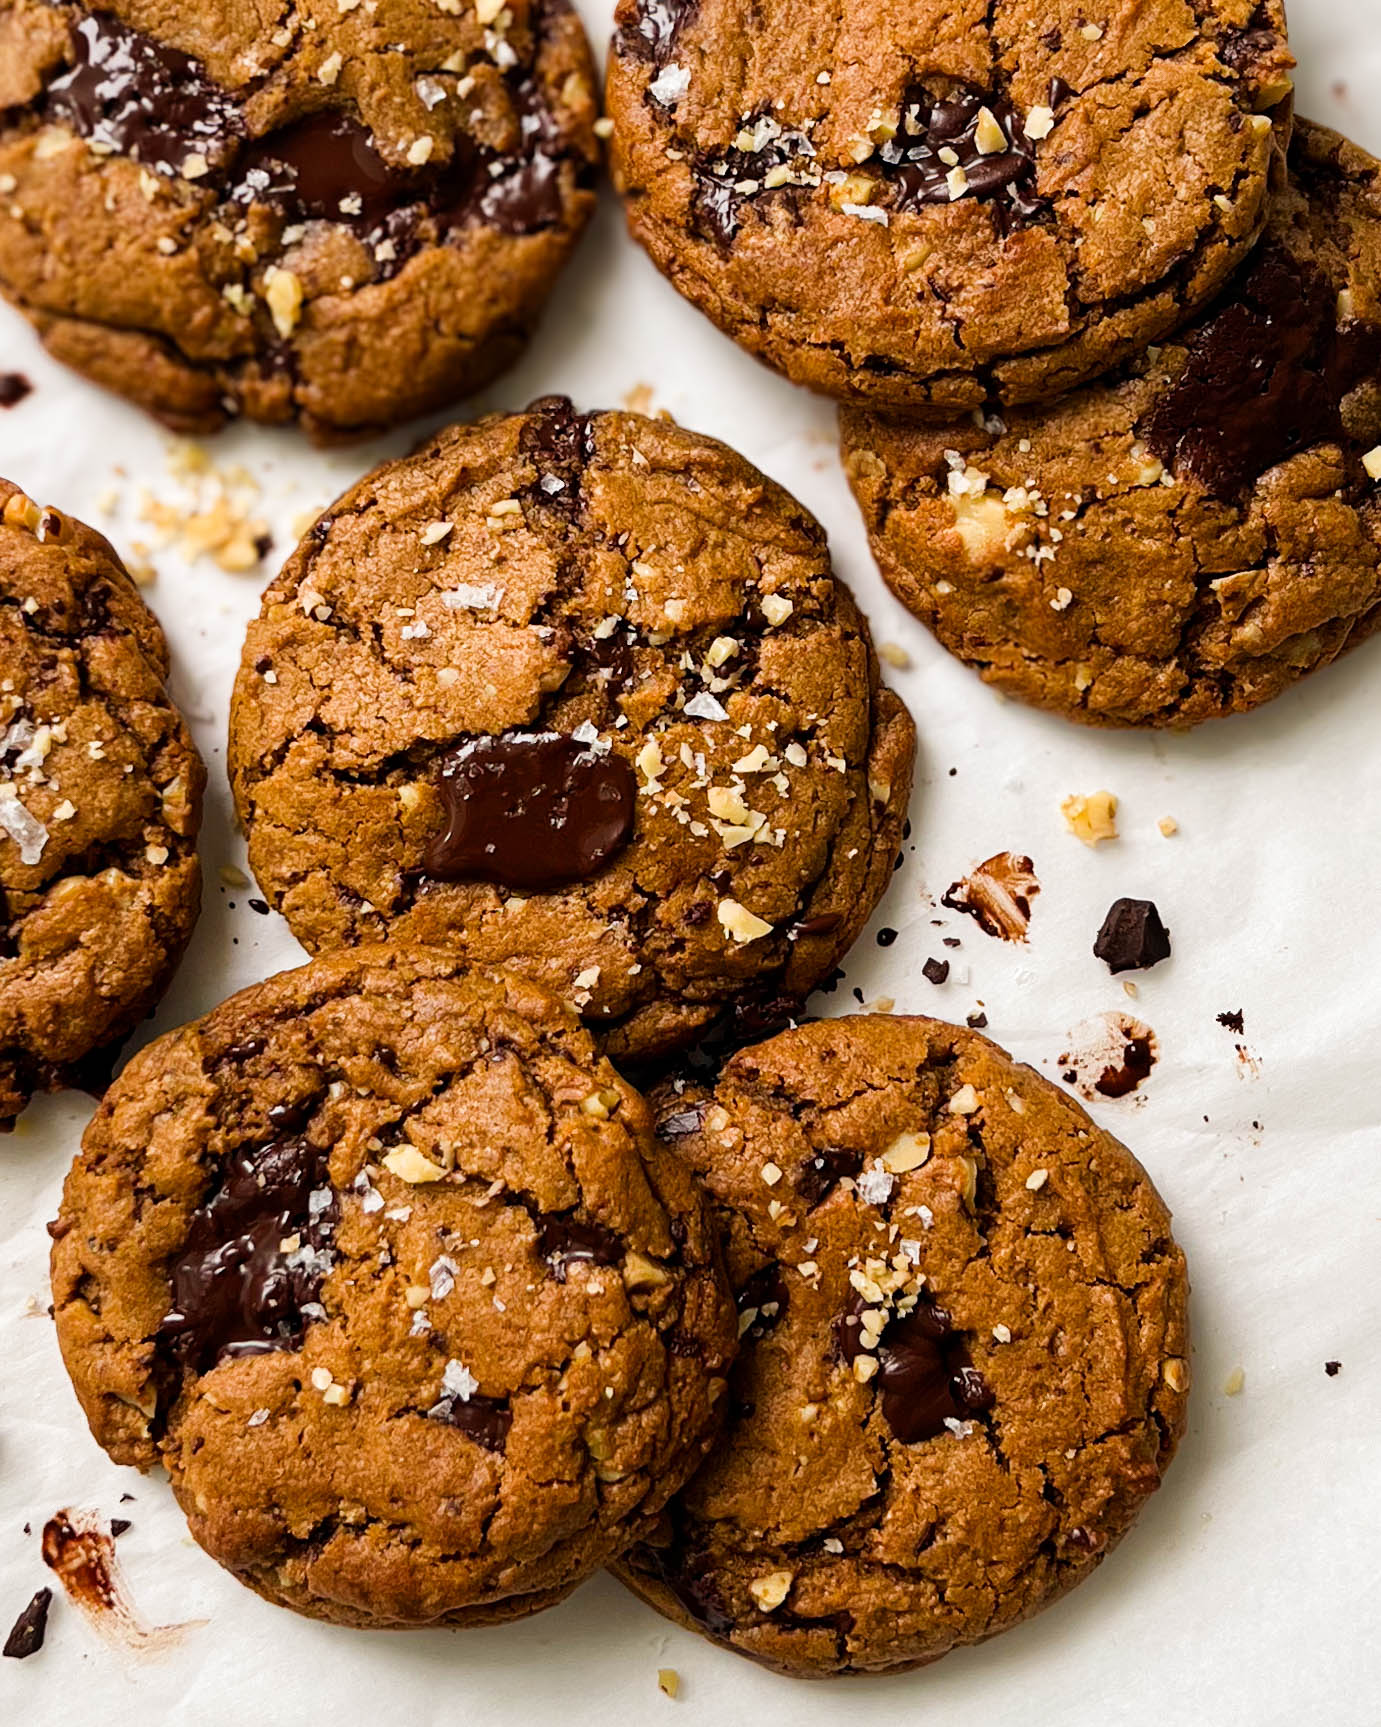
1191, 536
342, 217
924, 207
100, 802
383, 1263
963, 1363
579, 693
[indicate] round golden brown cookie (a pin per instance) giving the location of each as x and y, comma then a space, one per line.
924, 206
382, 1261
344, 219
100, 803
1190, 537
579, 693
963, 1363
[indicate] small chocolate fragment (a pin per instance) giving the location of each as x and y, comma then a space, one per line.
925, 1376
976, 1021
1331, 1368
234, 1289
534, 810
14, 386
935, 971
1233, 1020
820, 1174
561, 1241
766, 1297
118, 1526
28, 1631
886, 937
1132, 938
486, 1420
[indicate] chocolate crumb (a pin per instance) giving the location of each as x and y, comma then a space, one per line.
14, 386
28, 1631
1331, 1368
118, 1525
977, 1021
1232, 1020
935, 970
1132, 938
886, 937
259, 905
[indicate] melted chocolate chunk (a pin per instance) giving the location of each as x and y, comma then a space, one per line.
1132, 937
324, 168
486, 1420
1265, 378
824, 923
1138, 1058
138, 97
532, 810
14, 386
925, 1377
930, 124
765, 1297
718, 201
824, 1171
28, 1631
561, 1241
234, 1290
655, 25
560, 445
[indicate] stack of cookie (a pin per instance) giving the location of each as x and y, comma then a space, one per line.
563, 750
1108, 341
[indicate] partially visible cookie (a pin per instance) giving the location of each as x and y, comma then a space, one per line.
1190, 537
923, 206
963, 1364
342, 217
383, 1263
579, 693
100, 803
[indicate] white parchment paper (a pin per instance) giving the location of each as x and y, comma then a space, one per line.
1248, 1592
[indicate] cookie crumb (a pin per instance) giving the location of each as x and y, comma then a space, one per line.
668, 1681
1168, 826
1234, 1382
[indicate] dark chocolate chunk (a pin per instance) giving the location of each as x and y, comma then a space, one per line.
14, 386
690, 1579
561, 1241
323, 168
1332, 1368
486, 1420
138, 97
766, 1297
719, 199
1265, 377
560, 445
28, 1631
925, 1376
935, 971
919, 174
680, 1123
825, 923
234, 1289
1132, 938
819, 1174
533, 810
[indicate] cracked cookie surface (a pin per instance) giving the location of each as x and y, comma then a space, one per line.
100, 803
383, 1263
578, 693
963, 1365
1190, 537
338, 214
925, 207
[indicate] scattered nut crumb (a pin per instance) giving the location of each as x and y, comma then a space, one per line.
1091, 819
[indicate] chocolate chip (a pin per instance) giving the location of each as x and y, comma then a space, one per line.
234, 1290
976, 1021
822, 1172
1331, 1368
1132, 938
935, 971
930, 124
886, 937
766, 1297
28, 1631
531, 810
258, 905
14, 386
